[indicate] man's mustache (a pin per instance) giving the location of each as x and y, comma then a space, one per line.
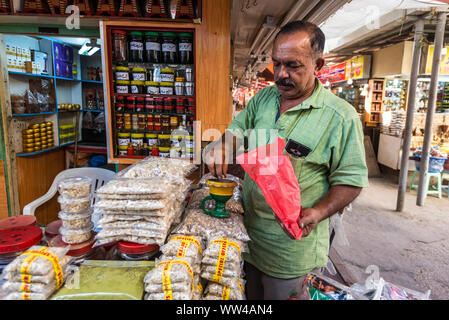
284, 83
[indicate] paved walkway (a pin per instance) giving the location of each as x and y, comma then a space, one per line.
410, 248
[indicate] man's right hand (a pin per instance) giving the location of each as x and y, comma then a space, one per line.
216, 160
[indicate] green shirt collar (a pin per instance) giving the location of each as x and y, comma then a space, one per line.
314, 101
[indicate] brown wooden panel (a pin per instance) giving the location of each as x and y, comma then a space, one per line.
213, 65
3, 195
35, 174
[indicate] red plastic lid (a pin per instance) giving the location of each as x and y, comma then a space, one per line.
75, 249
140, 98
119, 31
19, 221
19, 239
136, 248
52, 229
130, 98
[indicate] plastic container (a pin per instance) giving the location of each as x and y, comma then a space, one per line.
137, 138
167, 75
153, 53
435, 163
120, 45
139, 74
189, 88
131, 251
135, 46
152, 87
52, 229
151, 139
169, 47
75, 187
169, 105
137, 87
74, 205
76, 235
149, 105
164, 152
81, 251
164, 140
180, 86
185, 48
122, 86
78, 220
19, 221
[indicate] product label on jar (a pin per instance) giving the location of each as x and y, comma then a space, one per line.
152, 90
134, 89
122, 76
166, 90
164, 154
133, 45
122, 89
123, 152
169, 47
167, 77
123, 141
156, 46
136, 141
185, 46
139, 76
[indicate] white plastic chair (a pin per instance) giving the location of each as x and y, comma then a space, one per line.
99, 177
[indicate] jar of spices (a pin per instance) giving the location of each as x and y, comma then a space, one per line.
130, 104
153, 52
151, 139
120, 45
135, 46
137, 87
122, 73
127, 125
123, 150
165, 123
167, 75
152, 87
166, 88
189, 88
174, 123
180, 108
135, 121
185, 48
164, 140
142, 122
122, 86
179, 86
149, 105
140, 105
164, 152
158, 103
127, 117
157, 122
137, 138
168, 105
123, 138
119, 120
150, 122
169, 47
139, 74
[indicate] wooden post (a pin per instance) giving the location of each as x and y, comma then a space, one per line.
11, 167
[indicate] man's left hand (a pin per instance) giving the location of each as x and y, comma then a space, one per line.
309, 219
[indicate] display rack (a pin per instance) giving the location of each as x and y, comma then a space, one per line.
374, 105
63, 90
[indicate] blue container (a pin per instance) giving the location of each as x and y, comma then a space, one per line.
435, 163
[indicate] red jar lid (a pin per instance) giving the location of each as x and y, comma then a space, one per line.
19, 221
52, 229
136, 248
120, 105
19, 239
180, 107
120, 97
140, 98
130, 98
119, 31
75, 249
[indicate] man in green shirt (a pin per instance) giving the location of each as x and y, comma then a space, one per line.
328, 159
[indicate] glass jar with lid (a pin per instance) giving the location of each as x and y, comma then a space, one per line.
130, 104
179, 86
153, 52
165, 123
164, 140
185, 48
140, 105
180, 107
189, 88
150, 122
122, 73
174, 122
152, 87
166, 88
122, 86
137, 138
139, 74
135, 46
164, 152
152, 139
149, 105
169, 47
167, 75
119, 45
142, 122
157, 123
159, 105
168, 105
137, 87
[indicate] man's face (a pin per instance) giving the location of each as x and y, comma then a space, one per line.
294, 65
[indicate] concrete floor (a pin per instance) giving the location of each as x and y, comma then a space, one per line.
410, 248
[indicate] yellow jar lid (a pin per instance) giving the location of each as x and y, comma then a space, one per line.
124, 134
180, 79
167, 70
150, 135
137, 135
152, 83
136, 82
123, 147
189, 149
121, 68
139, 70
167, 84
164, 149
178, 137
189, 137
122, 82
164, 136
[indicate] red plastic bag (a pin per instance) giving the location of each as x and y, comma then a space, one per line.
273, 173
